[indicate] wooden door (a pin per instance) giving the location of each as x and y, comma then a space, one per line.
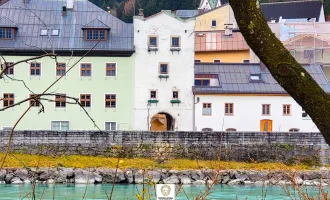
266, 125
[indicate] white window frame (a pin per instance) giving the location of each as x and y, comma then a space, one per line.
85, 77
61, 121
3, 128
55, 33
110, 125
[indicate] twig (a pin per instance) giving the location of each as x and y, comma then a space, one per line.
114, 180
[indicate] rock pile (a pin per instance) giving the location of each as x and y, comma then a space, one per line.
136, 176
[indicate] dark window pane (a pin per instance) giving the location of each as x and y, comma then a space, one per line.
198, 82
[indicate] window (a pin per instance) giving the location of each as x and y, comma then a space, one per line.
198, 61
60, 126
175, 42
85, 100
217, 61
153, 41
308, 54
175, 94
35, 69
110, 126
294, 130
6, 33
60, 69
207, 109
34, 102
55, 32
8, 99
111, 69
229, 109
60, 100
163, 68
246, 61
231, 129
255, 77
265, 109
110, 100
305, 115
286, 109
86, 69
44, 32
95, 34
214, 23
9, 71
153, 94
202, 82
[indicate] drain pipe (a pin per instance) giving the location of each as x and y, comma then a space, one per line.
194, 112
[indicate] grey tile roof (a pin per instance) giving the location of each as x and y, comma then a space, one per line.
6, 23
26, 17
186, 13
292, 10
235, 78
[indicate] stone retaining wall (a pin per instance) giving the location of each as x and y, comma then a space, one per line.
308, 148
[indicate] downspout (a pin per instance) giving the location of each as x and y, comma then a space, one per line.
194, 118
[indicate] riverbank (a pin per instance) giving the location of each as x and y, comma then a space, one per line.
185, 177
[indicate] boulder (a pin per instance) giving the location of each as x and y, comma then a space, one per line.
23, 174
108, 175
84, 177
172, 180
185, 180
298, 180
154, 176
9, 177
64, 174
255, 176
235, 182
199, 182
47, 173
50, 181
27, 181
129, 176
16, 180
311, 175
247, 182
3, 174
225, 179
197, 175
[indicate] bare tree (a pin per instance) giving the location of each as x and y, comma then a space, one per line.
281, 64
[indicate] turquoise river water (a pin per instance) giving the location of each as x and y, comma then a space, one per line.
128, 192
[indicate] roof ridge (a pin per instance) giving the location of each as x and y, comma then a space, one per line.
286, 2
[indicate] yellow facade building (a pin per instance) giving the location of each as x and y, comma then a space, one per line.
217, 38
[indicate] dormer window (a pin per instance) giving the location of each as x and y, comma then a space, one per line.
55, 32
6, 33
96, 34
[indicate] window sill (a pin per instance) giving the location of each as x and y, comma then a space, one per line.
153, 101
207, 115
229, 114
175, 48
287, 115
265, 115
163, 76
175, 101
152, 48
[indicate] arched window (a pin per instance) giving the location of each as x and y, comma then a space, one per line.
294, 130
207, 129
231, 129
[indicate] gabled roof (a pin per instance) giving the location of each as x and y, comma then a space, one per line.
96, 23
307, 40
235, 79
70, 38
292, 10
7, 23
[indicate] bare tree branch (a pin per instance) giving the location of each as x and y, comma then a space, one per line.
6, 67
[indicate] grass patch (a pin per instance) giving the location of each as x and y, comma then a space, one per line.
16, 160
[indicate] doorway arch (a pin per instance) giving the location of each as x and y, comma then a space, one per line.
266, 125
162, 121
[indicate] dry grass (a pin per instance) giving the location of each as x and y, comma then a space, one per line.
142, 163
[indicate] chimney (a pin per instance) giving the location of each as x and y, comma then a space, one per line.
69, 4
141, 12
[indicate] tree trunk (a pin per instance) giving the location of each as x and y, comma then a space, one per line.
281, 64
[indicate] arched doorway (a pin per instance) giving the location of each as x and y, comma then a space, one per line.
162, 122
266, 125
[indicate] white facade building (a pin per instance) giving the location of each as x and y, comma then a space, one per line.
245, 97
164, 72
